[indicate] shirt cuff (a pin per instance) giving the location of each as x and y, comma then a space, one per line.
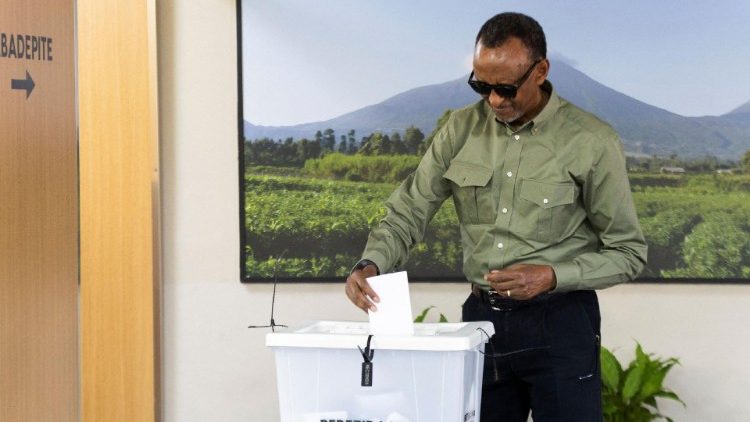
568, 276
378, 259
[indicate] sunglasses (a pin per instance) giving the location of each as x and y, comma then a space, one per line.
503, 90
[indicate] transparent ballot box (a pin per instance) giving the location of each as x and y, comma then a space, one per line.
434, 375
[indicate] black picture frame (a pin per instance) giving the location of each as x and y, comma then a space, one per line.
249, 278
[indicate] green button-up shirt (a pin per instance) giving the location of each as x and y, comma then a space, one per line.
554, 192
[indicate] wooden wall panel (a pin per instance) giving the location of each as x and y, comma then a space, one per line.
119, 210
38, 216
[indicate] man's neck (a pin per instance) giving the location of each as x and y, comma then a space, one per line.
542, 101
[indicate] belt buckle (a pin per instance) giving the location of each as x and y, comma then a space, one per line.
492, 296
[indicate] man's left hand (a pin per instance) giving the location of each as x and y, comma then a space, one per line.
522, 281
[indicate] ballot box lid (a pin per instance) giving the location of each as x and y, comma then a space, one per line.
349, 334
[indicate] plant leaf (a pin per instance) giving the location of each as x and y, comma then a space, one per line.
422, 316
443, 318
633, 381
609, 408
654, 379
630, 395
669, 395
640, 357
611, 369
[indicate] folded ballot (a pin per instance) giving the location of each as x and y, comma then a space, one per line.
393, 317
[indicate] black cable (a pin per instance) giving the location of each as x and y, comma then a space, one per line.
502, 355
368, 353
273, 323
495, 372
494, 355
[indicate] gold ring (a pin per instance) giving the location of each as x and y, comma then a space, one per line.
507, 292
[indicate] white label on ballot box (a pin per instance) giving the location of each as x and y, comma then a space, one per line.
325, 416
393, 317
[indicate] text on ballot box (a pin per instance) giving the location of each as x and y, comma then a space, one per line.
434, 375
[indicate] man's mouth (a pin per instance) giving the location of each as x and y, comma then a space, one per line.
503, 110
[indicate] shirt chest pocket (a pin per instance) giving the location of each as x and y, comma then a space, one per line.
472, 192
546, 209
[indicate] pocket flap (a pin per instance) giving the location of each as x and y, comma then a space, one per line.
547, 194
466, 174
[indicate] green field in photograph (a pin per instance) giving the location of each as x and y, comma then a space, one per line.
696, 226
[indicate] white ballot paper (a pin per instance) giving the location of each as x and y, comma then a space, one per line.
393, 317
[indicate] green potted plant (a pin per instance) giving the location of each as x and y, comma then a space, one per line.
423, 315
629, 395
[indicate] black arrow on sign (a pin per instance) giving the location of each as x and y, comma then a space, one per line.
23, 84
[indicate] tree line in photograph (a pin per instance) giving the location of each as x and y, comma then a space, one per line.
294, 153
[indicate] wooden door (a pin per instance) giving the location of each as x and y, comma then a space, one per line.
38, 212
119, 189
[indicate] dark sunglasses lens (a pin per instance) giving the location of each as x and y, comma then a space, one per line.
506, 91
480, 87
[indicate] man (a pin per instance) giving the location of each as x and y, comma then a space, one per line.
546, 216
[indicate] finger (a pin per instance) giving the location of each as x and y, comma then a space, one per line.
499, 276
360, 277
361, 301
518, 290
503, 286
351, 290
367, 290
363, 293
364, 304
503, 277
356, 296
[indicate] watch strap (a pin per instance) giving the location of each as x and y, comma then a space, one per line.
362, 264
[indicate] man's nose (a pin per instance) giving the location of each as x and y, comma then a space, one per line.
495, 100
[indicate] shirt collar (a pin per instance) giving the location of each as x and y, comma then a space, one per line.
549, 110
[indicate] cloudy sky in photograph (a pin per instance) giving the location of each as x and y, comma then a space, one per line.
307, 61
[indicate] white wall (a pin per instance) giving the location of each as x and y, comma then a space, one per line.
214, 368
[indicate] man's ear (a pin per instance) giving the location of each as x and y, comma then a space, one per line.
541, 72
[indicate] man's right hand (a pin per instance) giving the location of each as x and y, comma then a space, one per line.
358, 290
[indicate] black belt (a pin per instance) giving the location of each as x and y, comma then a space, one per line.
498, 302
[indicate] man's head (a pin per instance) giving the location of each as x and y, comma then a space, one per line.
501, 27
510, 55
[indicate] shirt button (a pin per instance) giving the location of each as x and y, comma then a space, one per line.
517, 137
510, 174
545, 200
500, 245
505, 210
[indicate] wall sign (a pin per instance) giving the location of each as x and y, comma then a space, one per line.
25, 47
39, 212
29, 47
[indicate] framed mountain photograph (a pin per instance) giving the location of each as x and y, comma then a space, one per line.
340, 99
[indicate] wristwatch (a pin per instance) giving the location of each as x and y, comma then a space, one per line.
362, 264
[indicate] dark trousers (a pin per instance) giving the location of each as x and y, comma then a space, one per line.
543, 358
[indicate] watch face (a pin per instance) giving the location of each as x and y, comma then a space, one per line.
365, 262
